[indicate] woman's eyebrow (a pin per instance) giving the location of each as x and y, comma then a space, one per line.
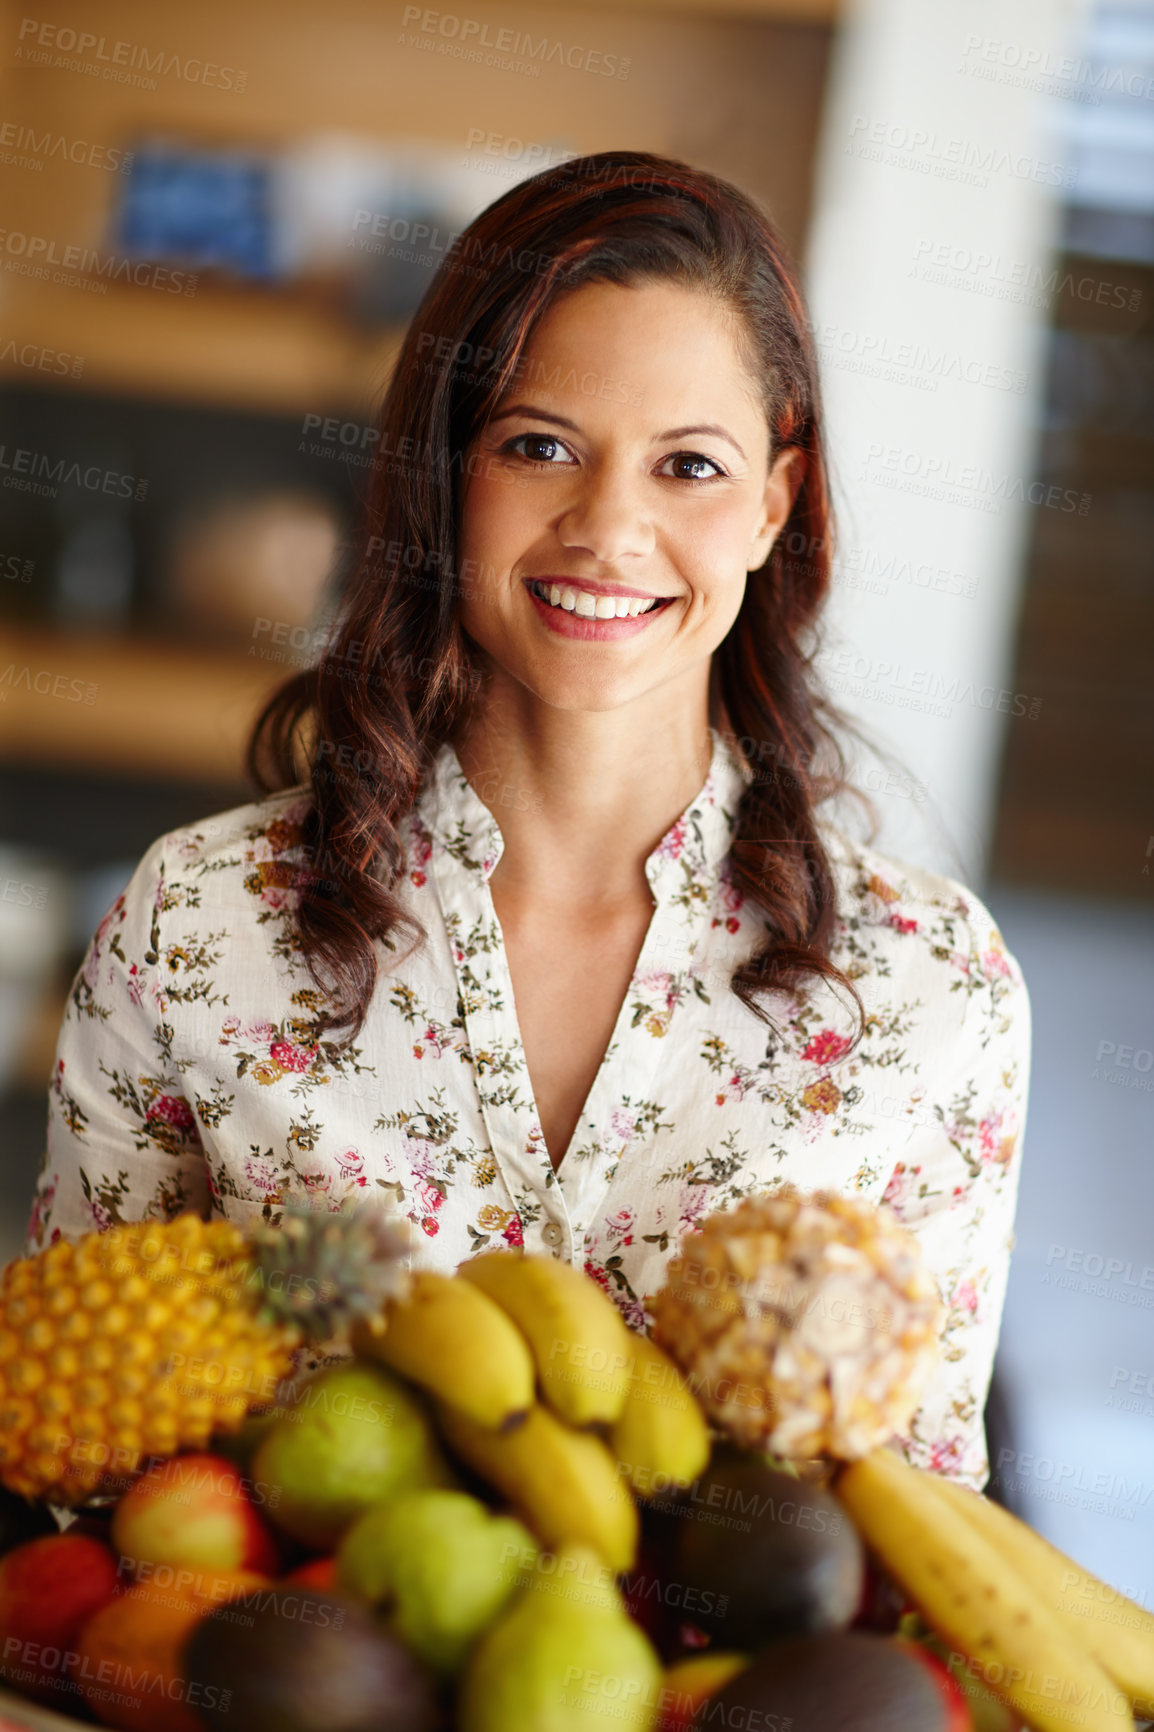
563, 421
705, 427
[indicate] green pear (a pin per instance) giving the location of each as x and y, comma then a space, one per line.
565, 1657
356, 1436
441, 1566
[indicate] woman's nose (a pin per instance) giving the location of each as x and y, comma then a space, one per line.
607, 517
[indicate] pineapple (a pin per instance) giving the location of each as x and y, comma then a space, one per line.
148, 1338
806, 1324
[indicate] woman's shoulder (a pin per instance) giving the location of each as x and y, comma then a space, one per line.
272, 822
198, 902
258, 843
926, 954
912, 903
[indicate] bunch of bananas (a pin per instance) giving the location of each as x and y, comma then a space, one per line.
1059, 1646
541, 1388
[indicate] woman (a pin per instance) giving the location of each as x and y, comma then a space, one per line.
554, 874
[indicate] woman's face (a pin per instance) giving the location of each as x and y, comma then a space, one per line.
628, 461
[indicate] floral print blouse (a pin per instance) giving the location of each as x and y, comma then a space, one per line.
188, 1072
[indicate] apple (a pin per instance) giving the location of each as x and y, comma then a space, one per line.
690, 1683
193, 1512
49, 1588
958, 1716
317, 1573
882, 1602
988, 1713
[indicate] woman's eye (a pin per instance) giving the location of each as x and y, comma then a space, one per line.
542, 447
694, 461
547, 448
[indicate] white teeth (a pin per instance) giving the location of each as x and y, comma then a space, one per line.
587, 606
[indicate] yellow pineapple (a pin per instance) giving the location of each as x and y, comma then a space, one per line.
148, 1338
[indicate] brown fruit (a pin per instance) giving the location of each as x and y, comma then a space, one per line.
758, 1555
307, 1662
846, 1682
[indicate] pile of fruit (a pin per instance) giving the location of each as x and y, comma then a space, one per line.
495, 1509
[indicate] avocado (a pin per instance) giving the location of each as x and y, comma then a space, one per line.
757, 1555
846, 1681
289, 1659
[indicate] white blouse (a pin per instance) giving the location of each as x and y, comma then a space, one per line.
188, 1072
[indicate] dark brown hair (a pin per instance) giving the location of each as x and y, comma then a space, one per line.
396, 677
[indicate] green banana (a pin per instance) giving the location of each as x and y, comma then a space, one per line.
564, 1483
661, 1437
579, 1338
448, 1337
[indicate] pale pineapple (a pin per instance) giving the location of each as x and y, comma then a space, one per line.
148, 1338
807, 1324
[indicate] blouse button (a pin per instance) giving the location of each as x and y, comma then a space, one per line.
552, 1233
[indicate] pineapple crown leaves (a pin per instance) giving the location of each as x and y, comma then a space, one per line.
321, 1273
781, 1464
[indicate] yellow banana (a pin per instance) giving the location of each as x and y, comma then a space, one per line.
579, 1338
965, 1588
1117, 1631
563, 1482
661, 1438
451, 1339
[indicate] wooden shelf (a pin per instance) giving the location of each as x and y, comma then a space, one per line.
240, 348
777, 11
157, 707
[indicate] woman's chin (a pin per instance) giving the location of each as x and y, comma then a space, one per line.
598, 690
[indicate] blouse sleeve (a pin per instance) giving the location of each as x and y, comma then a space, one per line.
123, 1143
956, 1188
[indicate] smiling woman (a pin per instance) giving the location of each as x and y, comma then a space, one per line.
557, 864
593, 523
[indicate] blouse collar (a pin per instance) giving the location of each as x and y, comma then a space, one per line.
693, 847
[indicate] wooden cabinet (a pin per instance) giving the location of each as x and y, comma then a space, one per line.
732, 85
1074, 809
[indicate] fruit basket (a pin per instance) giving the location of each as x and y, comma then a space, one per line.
18, 1714
304, 1487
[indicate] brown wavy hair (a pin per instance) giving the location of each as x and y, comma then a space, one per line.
396, 678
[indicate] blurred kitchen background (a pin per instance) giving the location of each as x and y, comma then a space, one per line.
215, 226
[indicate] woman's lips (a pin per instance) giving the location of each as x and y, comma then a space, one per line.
573, 625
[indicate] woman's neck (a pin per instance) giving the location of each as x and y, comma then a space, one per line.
583, 797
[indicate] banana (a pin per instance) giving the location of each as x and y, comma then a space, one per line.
579, 1338
661, 1438
964, 1587
564, 1483
452, 1340
1117, 1631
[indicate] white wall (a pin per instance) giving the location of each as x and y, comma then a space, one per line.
935, 213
